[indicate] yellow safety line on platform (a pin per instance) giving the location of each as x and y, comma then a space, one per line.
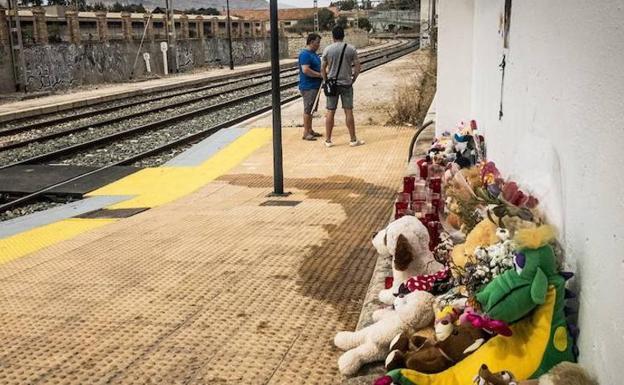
157, 186
151, 186
38, 238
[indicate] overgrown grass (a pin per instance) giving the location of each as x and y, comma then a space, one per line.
413, 98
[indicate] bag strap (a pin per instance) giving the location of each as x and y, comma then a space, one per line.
340, 62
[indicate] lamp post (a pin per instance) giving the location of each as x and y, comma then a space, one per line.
229, 33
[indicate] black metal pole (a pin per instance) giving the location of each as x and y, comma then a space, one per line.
229, 33
278, 172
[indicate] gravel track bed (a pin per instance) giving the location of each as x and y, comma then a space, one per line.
30, 208
141, 98
31, 134
140, 143
38, 148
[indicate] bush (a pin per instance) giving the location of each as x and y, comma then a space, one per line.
364, 24
412, 99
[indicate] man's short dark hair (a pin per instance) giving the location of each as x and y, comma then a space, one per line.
338, 32
312, 37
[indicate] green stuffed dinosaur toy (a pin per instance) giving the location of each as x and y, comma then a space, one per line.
515, 293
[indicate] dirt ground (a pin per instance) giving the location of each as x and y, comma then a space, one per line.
374, 93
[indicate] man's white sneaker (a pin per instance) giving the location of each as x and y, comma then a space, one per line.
356, 143
329, 144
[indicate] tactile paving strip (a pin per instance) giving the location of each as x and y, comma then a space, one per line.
213, 288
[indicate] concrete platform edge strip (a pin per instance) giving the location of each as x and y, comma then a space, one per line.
55, 214
154, 187
144, 188
22, 244
207, 148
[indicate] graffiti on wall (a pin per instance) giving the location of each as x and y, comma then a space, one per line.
185, 57
62, 65
48, 69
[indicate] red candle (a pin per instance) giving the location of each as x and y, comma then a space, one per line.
418, 206
419, 196
422, 165
435, 184
434, 234
408, 184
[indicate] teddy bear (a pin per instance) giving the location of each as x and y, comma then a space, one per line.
564, 373
406, 240
412, 312
483, 234
453, 343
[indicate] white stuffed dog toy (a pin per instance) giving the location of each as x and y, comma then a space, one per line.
406, 240
412, 311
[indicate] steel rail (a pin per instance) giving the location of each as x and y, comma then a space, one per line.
180, 141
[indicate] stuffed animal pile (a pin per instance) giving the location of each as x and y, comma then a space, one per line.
478, 293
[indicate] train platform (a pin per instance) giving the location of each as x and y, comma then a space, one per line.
209, 280
108, 92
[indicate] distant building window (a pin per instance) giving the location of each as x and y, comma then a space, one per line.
287, 23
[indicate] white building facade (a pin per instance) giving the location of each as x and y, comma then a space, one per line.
545, 82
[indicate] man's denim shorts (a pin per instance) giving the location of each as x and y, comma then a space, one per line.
346, 96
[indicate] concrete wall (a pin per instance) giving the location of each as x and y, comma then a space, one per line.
6, 76
61, 66
561, 134
454, 61
296, 42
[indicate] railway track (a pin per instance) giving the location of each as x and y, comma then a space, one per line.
154, 135
25, 125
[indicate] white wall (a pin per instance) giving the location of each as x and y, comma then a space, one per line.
454, 61
562, 134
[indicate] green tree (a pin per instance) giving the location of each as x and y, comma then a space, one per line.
365, 24
346, 5
326, 19
209, 11
99, 6
136, 8
117, 7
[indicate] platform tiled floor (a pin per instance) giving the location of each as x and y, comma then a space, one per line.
212, 288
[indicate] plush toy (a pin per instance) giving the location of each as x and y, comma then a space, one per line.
437, 283
485, 377
483, 234
480, 321
428, 357
565, 373
538, 342
413, 311
513, 294
407, 241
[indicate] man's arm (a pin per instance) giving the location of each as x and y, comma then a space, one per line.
324, 65
310, 72
357, 67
